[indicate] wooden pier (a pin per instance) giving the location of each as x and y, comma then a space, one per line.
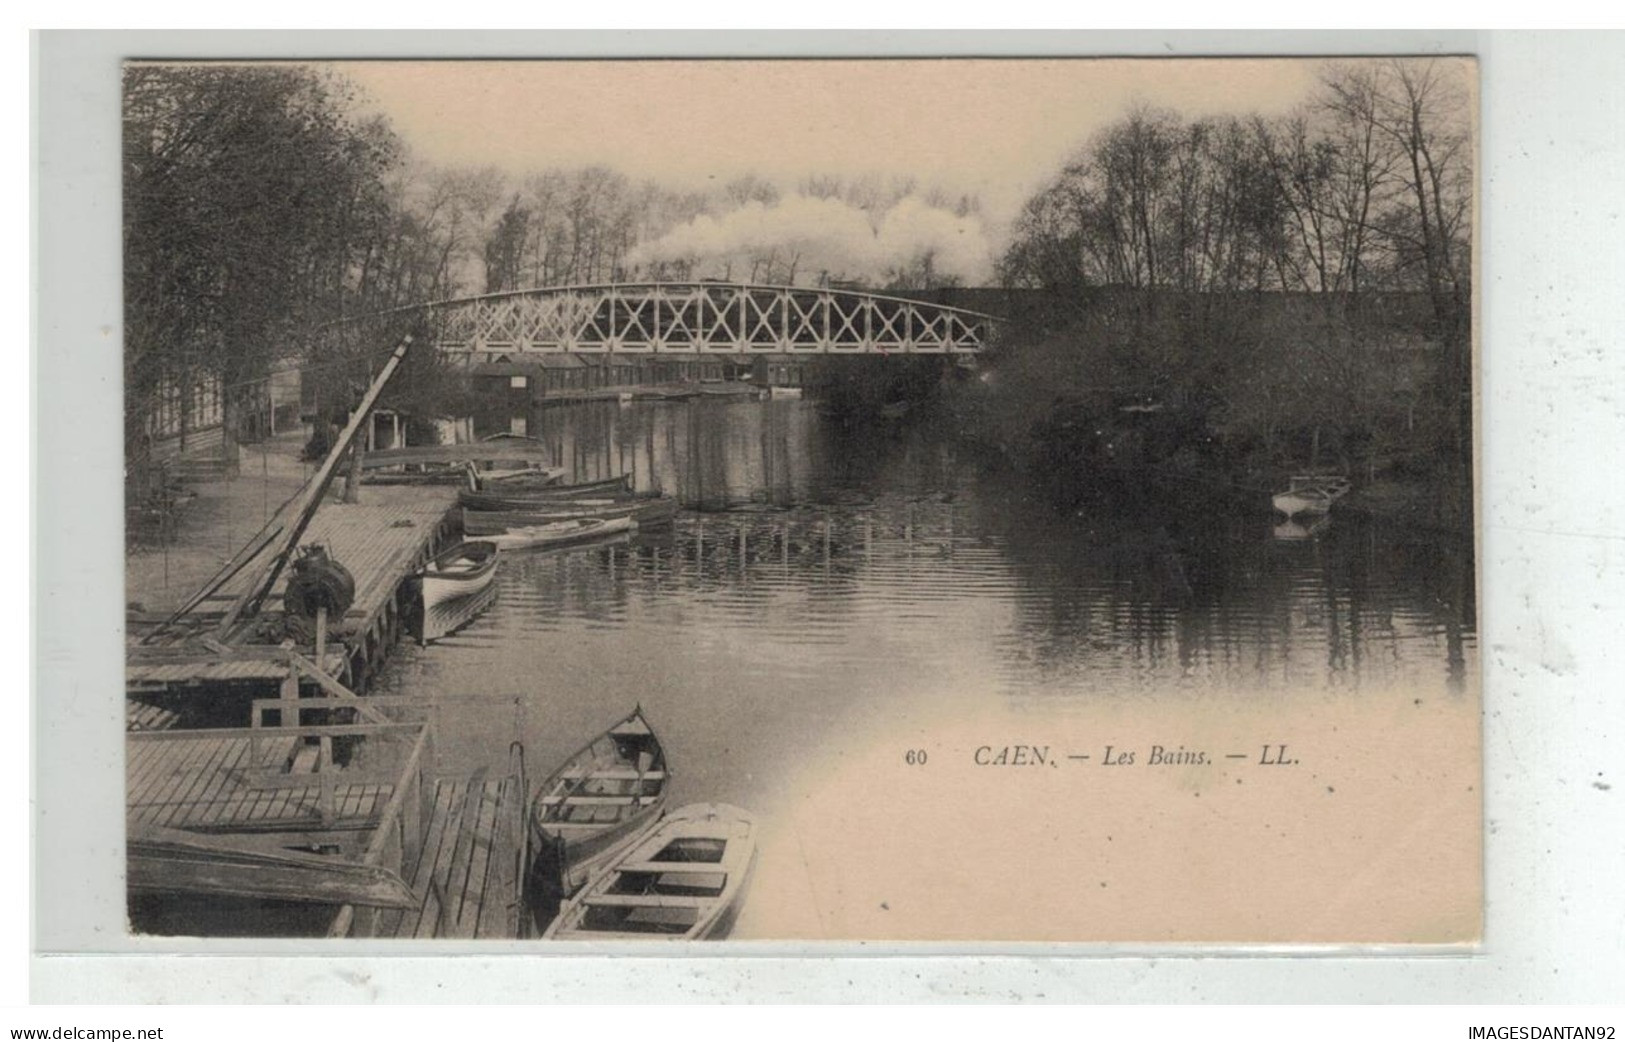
470, 870
382, 542
269, 813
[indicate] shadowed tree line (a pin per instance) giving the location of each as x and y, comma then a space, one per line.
257, 209
1241, 296
261, 204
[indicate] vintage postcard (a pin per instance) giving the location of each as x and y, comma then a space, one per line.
949, 500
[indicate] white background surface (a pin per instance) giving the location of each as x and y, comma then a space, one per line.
1552, 596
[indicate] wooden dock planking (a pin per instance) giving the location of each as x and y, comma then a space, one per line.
204, 783
381, 542
170, 784
496, 915
170, 773
377, 540
179, 774
454, 883
467, 871
258, 804
479, 862
208, 794
143, 716
138, 758
434, 892
404, 924
146, 772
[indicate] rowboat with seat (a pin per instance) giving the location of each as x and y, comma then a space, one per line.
589, 810
685, 880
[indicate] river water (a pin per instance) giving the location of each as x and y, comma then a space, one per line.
831, 600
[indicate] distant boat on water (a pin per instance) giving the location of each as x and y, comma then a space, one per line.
1310, 494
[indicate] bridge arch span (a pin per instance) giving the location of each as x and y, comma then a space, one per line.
702, 318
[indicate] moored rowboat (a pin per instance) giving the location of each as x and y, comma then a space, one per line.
683, 880
1310, 494
525, 485
593, 807
462, 571
560, 532
644, 512
526, 498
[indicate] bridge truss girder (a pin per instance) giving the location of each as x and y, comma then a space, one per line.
704, 318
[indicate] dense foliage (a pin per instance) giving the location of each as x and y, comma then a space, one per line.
258, 208
1245, 294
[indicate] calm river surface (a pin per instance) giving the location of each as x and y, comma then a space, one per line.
821, 586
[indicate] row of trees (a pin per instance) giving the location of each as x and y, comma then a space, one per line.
594, 225
259, 206
256, 209
1289, 286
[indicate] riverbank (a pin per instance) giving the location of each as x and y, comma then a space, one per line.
1139, 453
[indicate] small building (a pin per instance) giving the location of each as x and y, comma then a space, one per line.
184, 420
778, 370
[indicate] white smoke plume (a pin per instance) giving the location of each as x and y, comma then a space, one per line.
805, 237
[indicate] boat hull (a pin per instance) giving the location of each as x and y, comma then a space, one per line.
685, 880
1294, 503
645, 513
455, 587
526, 487
562, 533
591, 809
539, 499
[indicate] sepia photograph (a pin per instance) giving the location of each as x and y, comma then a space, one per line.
950, 500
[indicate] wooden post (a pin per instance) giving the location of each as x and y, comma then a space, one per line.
321, 638
324, 774
352, 481
289, 693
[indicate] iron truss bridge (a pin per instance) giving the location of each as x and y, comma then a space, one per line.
702, 318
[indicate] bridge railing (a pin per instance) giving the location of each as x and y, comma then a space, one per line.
705, 318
